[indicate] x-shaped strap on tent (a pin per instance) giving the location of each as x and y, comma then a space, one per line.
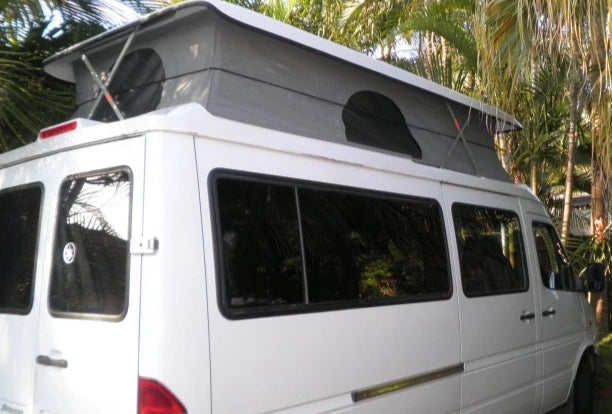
103, 86
459, 137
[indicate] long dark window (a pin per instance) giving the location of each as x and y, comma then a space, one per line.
19, 224
287, 247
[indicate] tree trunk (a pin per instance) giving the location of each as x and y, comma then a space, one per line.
503, 152
534, 177
598, 207
599, 303
569, 174
599, 300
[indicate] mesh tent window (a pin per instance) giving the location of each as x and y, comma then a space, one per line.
136, 86
373, 119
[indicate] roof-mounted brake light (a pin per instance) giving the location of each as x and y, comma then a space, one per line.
57, 130
64, 128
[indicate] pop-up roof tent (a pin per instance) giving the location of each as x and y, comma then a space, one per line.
246, 67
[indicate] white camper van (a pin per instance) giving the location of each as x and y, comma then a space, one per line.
244, 218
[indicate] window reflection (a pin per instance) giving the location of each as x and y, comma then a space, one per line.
555, 270
287, 247
490, 250
91, 245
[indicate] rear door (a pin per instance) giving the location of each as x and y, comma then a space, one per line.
496, 302
21, 199
87, 354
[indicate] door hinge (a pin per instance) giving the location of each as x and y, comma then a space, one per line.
144, 245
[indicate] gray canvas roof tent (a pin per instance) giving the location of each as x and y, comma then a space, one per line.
249, 68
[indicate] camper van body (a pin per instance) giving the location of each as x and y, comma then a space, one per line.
127, 237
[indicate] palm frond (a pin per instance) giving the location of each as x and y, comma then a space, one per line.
26, 103
449, 20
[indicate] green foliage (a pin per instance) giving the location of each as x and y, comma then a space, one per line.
603, 380
376, 279
590, 251
256, 5
374, 26
30, 99
389, 273
18, 18
449, 73
27, 101
451, 20
539, 148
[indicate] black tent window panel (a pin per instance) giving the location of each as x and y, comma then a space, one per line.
136, 86
373, 119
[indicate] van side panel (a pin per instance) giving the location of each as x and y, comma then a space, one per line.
174, 323
318, 362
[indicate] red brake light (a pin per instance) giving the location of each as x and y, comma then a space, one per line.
58, 129
154, 398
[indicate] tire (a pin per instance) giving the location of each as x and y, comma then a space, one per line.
583, 388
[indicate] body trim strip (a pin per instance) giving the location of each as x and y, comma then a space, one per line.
404, 383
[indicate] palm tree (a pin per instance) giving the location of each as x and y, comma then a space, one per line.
19, 17
30, 100
515, 37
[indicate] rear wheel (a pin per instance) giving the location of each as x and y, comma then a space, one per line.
583, 388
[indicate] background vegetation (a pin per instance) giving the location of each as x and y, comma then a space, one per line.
545, 62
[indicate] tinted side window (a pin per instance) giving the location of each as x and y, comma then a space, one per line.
290, 247
90, 256
19, 222
261, 261
491, 250
555, 270
369, 247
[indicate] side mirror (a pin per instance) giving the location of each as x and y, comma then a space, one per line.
595, 277
580, 287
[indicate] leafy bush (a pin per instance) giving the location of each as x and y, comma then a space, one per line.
604, 375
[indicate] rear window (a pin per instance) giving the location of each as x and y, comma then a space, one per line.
286, 247
90, 257
19, 224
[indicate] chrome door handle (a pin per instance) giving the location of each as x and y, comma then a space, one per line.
51, 362
549, 312
527, 316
